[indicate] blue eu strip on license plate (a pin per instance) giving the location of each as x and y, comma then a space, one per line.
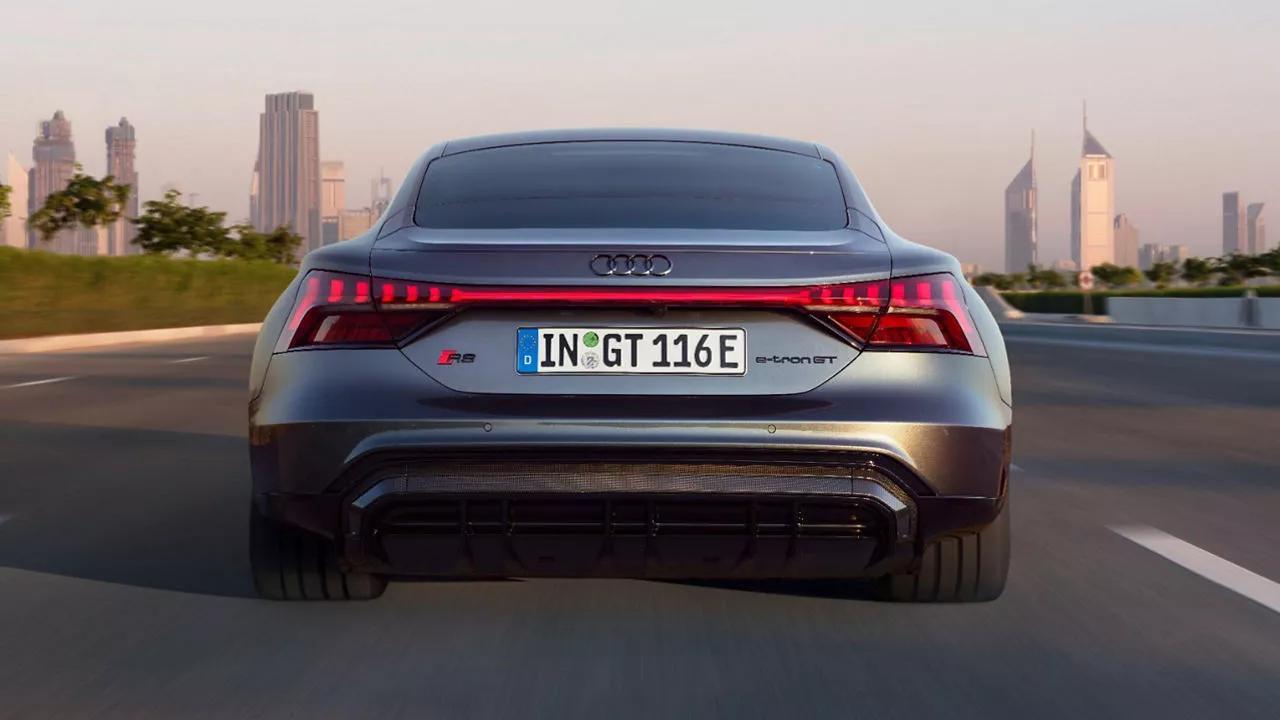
527, 350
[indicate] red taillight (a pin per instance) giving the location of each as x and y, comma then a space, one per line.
926, 312
336, 309
917, 313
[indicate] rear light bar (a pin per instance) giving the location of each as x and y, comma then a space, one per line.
925, 312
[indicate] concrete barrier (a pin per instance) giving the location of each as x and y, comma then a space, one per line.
999, 307
1269, 313
1238, 312
51, 343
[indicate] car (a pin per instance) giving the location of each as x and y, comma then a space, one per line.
630, 353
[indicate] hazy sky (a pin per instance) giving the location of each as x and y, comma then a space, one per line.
931, 101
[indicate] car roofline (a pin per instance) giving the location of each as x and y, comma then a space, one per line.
708, 137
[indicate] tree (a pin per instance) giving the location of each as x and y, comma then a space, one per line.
1235, 269
1043, 278
279, 245
4, 201
1271, 260
1162, 273
995, 280
1197, 271
167, 226
85, 201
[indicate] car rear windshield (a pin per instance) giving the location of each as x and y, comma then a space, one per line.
631, 184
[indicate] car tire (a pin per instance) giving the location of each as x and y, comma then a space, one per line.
291, 564
962, 568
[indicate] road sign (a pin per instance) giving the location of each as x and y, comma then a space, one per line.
1086, 280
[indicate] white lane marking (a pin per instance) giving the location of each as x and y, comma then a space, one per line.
1147, 347
37, 382
1205, 564
5, 518
1015, 468
187, 360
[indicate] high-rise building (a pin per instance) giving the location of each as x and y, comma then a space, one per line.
253, 197
380, 197
54, 163
121, 145
1150, 254
289, 167
354, 223
1126, 236
970, 270
333, 200
1178, 254
13, 229
1234, 239
1257, 229
1093, 204
1020, 241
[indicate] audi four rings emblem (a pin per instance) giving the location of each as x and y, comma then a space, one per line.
653, 265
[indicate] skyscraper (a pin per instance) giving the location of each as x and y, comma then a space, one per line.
333, 199
13, 229
380, 196
120, 164
1257, 229
54, 156
1020, 241
1234, 239
1093, 204
1126, 242
253, 196
289, 167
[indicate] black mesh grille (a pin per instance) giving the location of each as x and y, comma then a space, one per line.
601, 477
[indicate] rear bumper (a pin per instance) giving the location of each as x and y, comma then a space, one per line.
647, 512
848, 480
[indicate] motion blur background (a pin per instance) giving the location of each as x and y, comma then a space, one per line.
1147, 476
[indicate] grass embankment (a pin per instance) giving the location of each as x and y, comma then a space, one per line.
46, 294
1072, 301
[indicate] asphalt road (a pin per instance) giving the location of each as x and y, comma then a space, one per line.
124, 589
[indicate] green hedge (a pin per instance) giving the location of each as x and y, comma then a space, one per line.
1072, 301
46, 294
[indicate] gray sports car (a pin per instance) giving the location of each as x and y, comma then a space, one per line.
630, 353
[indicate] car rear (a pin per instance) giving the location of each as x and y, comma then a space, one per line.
627, 357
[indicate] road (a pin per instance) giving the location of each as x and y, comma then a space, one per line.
124, 590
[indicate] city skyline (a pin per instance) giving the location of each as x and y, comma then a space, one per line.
924, 110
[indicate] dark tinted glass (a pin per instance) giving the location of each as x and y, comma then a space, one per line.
631, 185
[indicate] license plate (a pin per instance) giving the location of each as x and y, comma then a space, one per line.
632, 351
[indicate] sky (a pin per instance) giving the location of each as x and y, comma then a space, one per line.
932, 102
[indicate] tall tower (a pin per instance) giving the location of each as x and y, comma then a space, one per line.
333, 199
289, 167
54, 156
1233, 225
1093, 205
13, 229
1020, 232
1126, 242
1257, 227
380, 196
120, 164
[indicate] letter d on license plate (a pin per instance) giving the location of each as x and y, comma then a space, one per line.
632, 351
